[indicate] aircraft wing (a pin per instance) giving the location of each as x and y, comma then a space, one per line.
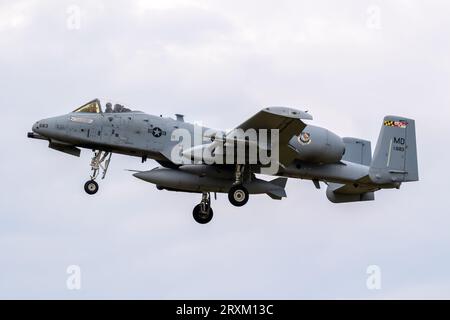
281, 118
287, 120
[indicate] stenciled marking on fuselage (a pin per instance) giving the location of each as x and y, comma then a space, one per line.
304, 138
158, 132
81, 120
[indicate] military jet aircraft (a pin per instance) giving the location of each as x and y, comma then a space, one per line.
303, 151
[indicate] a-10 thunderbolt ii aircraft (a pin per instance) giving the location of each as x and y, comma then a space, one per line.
294, 149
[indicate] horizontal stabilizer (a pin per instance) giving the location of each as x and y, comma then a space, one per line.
343, 193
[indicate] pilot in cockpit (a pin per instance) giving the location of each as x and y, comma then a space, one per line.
108, 108
118, 108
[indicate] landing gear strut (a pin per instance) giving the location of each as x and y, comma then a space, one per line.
238, 194
203, 213
100, 162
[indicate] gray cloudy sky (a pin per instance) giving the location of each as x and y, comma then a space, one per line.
349, 63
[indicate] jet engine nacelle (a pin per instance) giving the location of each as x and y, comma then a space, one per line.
318, 145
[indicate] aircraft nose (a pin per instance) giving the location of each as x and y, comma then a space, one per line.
35, 127
37, 132
45, 127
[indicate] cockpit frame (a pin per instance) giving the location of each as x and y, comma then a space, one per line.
90, 107
95, 106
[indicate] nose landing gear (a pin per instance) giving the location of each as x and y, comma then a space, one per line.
203, 213
100, 162
91, 187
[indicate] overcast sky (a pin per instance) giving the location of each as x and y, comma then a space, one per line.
349, 63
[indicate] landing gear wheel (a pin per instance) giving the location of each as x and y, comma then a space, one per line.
91, 187
202, 216
238, 195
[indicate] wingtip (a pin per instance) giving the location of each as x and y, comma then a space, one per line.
289, 112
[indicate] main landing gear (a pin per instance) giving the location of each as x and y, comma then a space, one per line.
238, 194
203, 213
100, 161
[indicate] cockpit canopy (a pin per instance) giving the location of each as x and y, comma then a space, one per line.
95, 106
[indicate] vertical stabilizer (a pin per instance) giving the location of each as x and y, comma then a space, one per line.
395, 155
